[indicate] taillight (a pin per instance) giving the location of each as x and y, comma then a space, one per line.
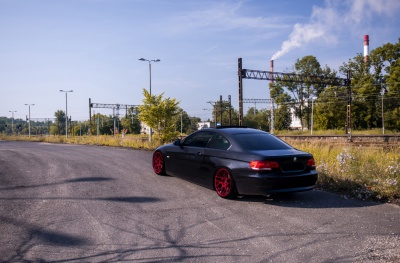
311, 163
263, 165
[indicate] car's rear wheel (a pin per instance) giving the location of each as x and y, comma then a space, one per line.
224, 184
158, 163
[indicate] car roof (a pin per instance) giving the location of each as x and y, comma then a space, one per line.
231, 130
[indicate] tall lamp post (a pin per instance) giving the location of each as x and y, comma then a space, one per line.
12, 120
66, 111
29, 124
150, 60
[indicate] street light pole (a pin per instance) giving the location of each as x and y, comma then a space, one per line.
29, 124
12, 120
66, 111
150, 60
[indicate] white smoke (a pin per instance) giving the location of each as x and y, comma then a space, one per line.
301, 35
365, 9
337, 15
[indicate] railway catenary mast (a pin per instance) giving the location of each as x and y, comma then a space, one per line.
291, 77
116, 107
271, 65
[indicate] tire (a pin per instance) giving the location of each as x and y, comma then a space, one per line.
158, 163
224, 184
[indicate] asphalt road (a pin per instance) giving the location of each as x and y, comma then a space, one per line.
69, 203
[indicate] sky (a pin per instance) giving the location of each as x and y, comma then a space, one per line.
93, 47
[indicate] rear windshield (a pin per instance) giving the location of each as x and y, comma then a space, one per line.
259, 142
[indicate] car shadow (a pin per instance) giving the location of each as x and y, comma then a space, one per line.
309, 199
88, 179
75, 180
132, 199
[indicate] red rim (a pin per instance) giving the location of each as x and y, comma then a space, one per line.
158, 162
223, 182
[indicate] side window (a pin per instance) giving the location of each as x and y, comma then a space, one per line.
198, 139
219, 142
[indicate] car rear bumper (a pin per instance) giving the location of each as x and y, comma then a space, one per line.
261, 184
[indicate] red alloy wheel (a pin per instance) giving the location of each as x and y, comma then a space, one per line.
158, 163
223, 183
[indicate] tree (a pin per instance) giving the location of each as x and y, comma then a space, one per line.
368, 79
282, 115
131, 122
330, 109
183, 122
60, 122
258, 119
103, 124
302, 92
309, 65
385, 61
283, 118
296, 97
224, 113
80, 127
193, 124
158, 113
249, 119
364, 100
3, 124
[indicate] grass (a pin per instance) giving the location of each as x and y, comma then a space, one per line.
129, 141
334, 132
355, 171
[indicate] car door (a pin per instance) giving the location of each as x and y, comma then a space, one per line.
186, 159
215, 155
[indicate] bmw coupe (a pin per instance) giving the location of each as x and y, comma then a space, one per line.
237, 161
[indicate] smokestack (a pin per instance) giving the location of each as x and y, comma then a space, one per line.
366, 48
271, 66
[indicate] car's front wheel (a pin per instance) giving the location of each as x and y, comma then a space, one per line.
158, 163
224, 184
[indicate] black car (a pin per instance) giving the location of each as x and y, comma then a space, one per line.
237, 161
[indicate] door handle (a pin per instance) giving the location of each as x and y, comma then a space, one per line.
199, 153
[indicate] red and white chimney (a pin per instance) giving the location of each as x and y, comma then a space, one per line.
366, 48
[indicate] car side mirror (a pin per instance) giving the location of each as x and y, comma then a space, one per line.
177, 143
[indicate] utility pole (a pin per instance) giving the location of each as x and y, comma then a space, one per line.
98, 124
348, 122
312, 114
29, 124
241, 74
383, 116
66, 111
230, 110
12, 120
181, 121
220, 109
215, 112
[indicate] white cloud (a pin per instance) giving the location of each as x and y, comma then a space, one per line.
335, 17
222, 16
364, 9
